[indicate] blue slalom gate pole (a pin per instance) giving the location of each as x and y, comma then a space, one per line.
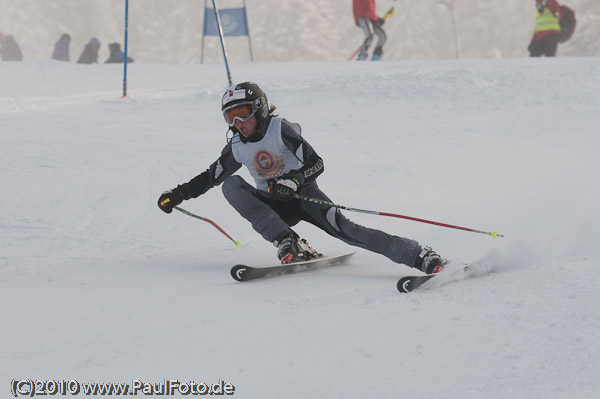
220, 29
125, 60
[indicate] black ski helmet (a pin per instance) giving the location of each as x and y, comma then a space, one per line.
246, 93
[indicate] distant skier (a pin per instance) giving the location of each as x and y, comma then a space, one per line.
547, 29
366, 18
9, 49
284, 164
61, 48
90, 52
116, 55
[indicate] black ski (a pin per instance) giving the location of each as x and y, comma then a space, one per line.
411, 283
246, 273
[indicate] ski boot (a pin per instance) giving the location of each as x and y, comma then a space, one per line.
290, 248
362, 55
429, 261
377, 53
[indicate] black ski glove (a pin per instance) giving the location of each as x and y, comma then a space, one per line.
286, 185
169, 199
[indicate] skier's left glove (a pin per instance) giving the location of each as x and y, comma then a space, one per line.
286, 186
169, 199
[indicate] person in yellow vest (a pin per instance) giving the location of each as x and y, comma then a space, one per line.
547, 29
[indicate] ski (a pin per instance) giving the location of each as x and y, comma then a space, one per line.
246, 273
410, 283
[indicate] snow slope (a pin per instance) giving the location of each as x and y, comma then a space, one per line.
96, 284
290, 30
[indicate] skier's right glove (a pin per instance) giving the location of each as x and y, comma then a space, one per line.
286, 186
284, 189
169, 199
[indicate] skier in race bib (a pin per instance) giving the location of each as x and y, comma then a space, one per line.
284, 165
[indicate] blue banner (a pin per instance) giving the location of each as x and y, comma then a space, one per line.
233, 21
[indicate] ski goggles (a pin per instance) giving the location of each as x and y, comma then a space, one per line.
242, 114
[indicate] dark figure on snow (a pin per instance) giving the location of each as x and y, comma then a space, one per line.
61, 48
9, 49
547, 29
116, 55
283, 165
366, 18
90, 52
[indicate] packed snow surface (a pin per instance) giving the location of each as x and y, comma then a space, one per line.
98, 285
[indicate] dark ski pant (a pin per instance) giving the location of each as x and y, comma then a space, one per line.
270, 216
546, 46
371, 27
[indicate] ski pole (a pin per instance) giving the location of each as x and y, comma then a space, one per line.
390, 13
322, 202
125, 53
355, 53
237, 244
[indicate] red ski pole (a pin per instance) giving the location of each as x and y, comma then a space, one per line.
322, 202
237, 244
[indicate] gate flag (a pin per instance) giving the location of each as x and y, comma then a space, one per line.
234, 22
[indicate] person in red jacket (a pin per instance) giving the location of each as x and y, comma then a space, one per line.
547, 29
366, 18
